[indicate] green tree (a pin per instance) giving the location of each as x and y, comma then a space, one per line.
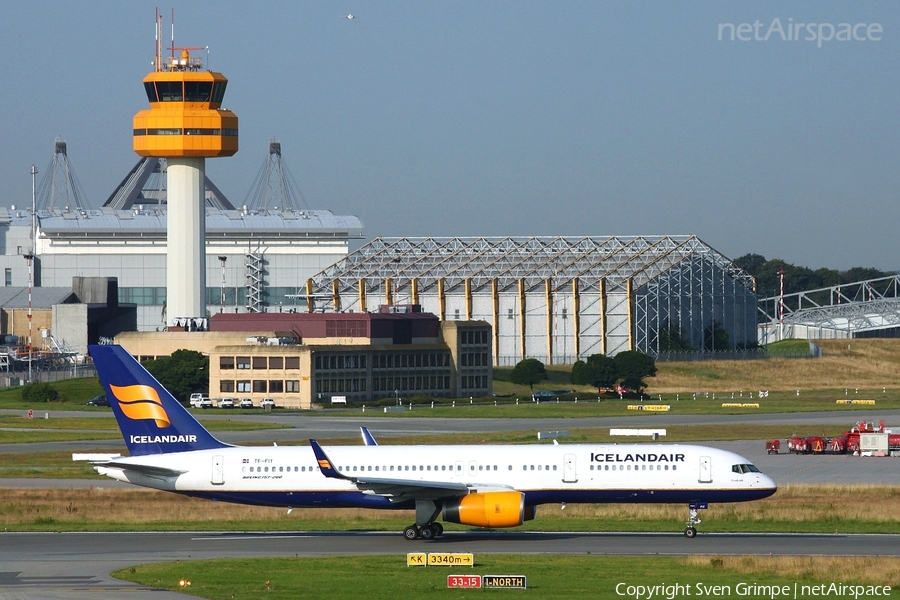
182, 373
528, 372
672, 339
39, 391
715, 337
633, 367
598, 371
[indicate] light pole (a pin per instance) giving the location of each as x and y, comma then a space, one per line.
30, 259
222, 260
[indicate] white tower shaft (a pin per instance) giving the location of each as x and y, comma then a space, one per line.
186, 239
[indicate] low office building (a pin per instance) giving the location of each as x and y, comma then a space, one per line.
299, 359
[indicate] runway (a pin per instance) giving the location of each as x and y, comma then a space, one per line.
75, 566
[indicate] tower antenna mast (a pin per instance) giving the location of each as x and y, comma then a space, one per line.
157, 50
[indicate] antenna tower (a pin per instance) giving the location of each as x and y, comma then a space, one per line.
274, 187
59, 186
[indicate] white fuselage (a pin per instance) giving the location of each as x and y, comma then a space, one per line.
290, 476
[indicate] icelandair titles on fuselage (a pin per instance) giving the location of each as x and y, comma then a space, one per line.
162, 439
648, 457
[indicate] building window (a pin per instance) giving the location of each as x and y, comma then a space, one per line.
226, 385
243, 362
243, 386
292, 386
259, 386
276, 386
456, 314
291, 362
8, 278
260, 362
226, 363
276, 362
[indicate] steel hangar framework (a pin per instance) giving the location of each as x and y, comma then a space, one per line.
556, 299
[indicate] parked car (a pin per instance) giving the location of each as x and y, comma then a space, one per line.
246, 403
195, 399
267, 403
100, 400
205, 402
226, 403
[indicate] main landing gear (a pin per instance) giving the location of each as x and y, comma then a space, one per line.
428, 531
690, 531
425, 528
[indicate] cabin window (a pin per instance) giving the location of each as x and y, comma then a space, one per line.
532, 467
392, 467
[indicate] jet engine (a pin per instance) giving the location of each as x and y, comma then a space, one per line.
489, 509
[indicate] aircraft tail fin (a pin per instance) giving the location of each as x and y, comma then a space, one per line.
152, 421
367, 437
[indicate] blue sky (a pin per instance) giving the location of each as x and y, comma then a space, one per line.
503, 118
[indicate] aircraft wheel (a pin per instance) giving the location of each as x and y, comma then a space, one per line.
690, 532
411, 532
427, 532
438, 529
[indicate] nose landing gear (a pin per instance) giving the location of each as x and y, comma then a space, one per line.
690, 531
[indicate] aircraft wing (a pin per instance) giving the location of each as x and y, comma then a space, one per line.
399, 490
148, 470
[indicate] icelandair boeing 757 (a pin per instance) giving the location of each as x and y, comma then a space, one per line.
479, 485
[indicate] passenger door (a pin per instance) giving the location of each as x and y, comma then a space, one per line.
218, 470
705, 470
569, 474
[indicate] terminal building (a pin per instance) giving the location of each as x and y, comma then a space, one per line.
299, 359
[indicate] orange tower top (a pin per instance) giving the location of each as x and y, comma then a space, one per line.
185, 117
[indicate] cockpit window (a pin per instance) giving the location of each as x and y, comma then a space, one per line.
744, 469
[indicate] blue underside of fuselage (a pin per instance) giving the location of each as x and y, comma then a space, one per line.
532, 498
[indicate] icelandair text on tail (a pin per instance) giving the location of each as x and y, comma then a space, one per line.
756, 590
162, 439
794, 32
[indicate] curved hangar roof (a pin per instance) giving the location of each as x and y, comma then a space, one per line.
532, 259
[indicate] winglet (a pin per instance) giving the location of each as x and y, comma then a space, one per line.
367, 437
324, 462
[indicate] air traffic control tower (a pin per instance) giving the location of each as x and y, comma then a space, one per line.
185, 124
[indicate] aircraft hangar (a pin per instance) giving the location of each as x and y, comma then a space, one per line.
556, 299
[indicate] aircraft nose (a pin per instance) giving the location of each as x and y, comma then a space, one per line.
768, 483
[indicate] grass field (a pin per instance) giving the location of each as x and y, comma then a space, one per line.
795, 508
559, 577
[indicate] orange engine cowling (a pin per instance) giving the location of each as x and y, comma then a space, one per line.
489, 509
